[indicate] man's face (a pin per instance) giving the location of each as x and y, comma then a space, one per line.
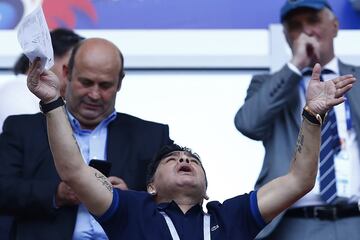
322, 25
92, 89
180, 170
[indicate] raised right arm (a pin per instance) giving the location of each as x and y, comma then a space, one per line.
92, 188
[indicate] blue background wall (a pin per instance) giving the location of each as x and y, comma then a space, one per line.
202, 14
165, 14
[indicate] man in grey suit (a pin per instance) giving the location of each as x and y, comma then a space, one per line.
271, 114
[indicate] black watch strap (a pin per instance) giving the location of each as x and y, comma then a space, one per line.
317, 119
45, 108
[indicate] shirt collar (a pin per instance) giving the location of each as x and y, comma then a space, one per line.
333, 65
174, 207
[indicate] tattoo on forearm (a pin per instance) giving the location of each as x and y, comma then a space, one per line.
104, 181
300, 142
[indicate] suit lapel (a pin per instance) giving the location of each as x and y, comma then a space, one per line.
353, 95
296, 110
347, 69
117, 147
355, 91
42, 153
42, 141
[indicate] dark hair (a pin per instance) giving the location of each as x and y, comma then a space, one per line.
21, 65
72, 62
164, 152
63, 40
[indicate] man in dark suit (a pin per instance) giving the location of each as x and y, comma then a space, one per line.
62, 40
44, 207
271, 114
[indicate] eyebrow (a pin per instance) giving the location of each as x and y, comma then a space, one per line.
84, 78
171, 154
177, 153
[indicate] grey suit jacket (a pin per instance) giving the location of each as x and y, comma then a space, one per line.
271, 113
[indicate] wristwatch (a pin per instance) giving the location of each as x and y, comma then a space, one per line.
47, 107
314, 118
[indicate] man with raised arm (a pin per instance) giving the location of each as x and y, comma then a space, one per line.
43, 206
171, 209
270, 114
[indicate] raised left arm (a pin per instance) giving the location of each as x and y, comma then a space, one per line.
282, 192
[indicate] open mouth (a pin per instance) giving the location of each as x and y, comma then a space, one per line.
185, 169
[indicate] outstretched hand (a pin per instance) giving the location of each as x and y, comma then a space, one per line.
45, 85
321, 96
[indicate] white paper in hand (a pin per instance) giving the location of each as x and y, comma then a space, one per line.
34, 38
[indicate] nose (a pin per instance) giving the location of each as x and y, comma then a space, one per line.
94, 93
184, 159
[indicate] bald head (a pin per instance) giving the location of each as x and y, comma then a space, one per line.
95, 73
98, 52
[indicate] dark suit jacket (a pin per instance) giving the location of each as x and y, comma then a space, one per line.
28, 178
271, 113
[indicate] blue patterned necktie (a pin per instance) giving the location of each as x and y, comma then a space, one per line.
330, 146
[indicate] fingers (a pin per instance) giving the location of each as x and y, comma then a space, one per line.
316, 72
121, 186
34, 72
118, 183
65, 196
342, 81
70, 195
305, 51
324, 95
35, 65
343, 84
115, 180
336, 101
73, 200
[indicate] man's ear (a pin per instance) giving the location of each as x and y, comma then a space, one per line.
206, 197
336, 26
151, 189
65, 72
119, 85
